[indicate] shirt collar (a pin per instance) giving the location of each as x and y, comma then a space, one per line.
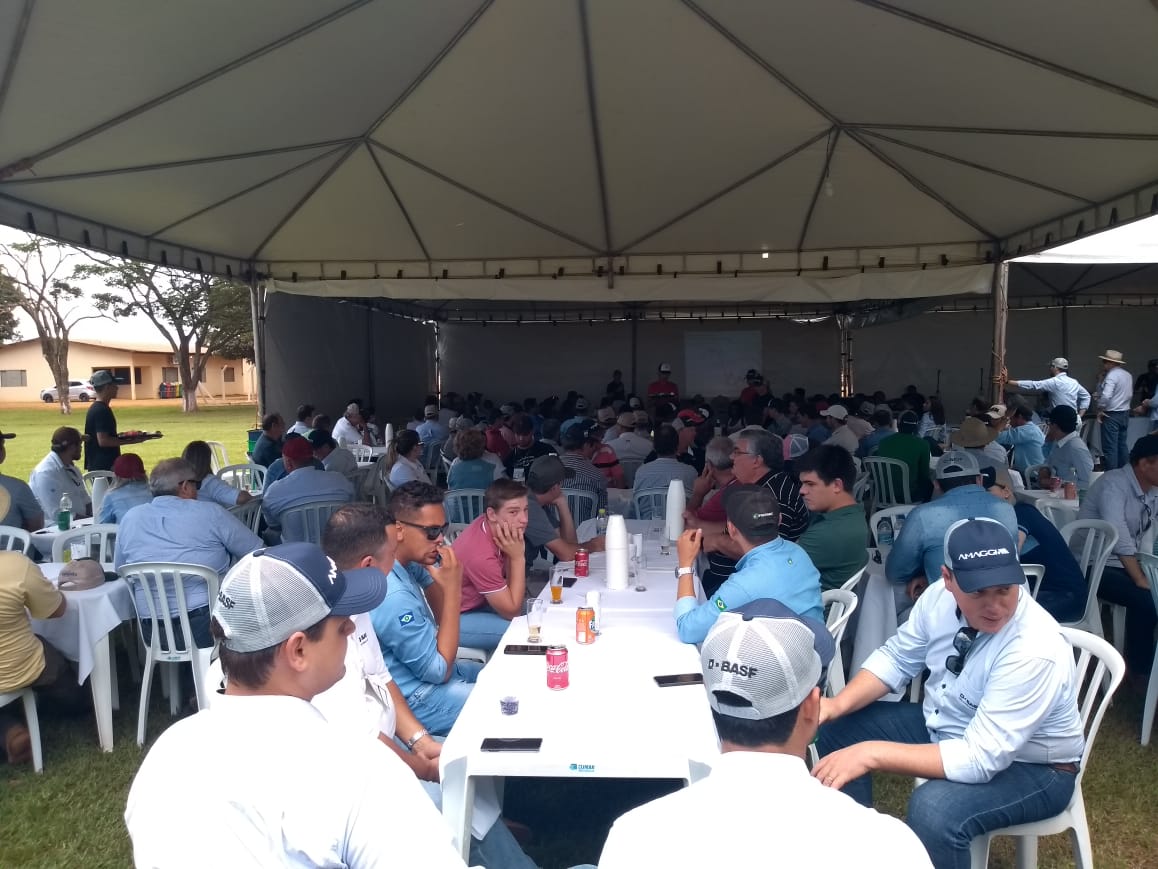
757, 552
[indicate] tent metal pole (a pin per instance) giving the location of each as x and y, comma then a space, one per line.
634, 352
257, 313
1065, 330
371, 390
1000, 321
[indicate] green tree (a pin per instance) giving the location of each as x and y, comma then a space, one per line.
9, 301
200, 316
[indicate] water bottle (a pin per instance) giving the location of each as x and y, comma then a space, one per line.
64, 513
601, 522
885, 532
898, 526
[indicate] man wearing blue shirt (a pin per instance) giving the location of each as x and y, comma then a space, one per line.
999, 737
1020, 433
1065, 451
302, 484
417, 625
770, 566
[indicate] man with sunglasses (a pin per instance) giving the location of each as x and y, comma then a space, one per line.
1127, 498
418, 622
998, 736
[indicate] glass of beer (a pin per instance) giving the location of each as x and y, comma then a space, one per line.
536, 608
556, 588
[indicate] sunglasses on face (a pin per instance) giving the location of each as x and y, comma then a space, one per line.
962, 643
432, 532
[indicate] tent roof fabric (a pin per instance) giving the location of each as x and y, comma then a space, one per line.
314, 137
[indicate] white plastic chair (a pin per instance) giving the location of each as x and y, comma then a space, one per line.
1093, 701
1031, 475
453, 531
305, 524
1059, 516
90, 477
853, 581
100, 539
630, 466
890, 481
582, 505
1150, 568
218, 458
467, 653
100, 488
432, 460
15, 539
245, 478
862, 487
892, 514
248, 513
362, 452
840, 604
1099, 541
464, 505
31, 719
650, 503
1034, 573
156, 578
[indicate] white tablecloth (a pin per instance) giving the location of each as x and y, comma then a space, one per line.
45, 537
1033, 496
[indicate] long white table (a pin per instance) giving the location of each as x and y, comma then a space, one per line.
612, 722
82, 635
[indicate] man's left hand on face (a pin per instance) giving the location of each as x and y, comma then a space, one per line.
839, 768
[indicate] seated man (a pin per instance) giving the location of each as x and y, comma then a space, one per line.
26, 660
177, 527
665, 467
976, 437
919, 550
580, 441
526, 448
268, 446
302, 422
999, 735
633, 443
432, 430
23, 510
769, 566
128, 489
351, 428
706, 500
494, 566
419, 635
267, 789
836, 418
1020, 433
57, 475
549, 520
1127, 498
835, 539
277, 469
303, 482
882, 423
905, 446
333, 457
763, 667
1065, 451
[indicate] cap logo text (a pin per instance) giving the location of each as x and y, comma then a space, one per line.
983, 553
225, 600
333, 574
726, 666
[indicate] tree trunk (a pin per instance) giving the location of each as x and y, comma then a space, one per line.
189, 379
56, 355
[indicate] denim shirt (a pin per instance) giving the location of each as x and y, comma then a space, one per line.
921, 544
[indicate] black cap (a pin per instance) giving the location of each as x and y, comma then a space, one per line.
319, 438
578, 433
754, 511
1064, 417
1144, 448
545, 472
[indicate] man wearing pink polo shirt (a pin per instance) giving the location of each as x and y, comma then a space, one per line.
494, 567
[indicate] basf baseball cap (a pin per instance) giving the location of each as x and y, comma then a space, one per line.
272, 593
981, 553
958, 463
763, 660
754, 511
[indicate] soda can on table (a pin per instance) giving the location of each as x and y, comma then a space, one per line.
594, 601
1070, 490
582, 562
558, 670
585, 625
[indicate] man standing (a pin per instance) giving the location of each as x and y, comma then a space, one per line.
268, 446
663, 390
1019, 432
836, 418
580, 442
835, 539
57, 475
763, 666
1146, 383
1114, 394
755, 394
1059, 387
1127, 498
351, 428
22, 509
999, 737
102, 446
1065, 451
769, 566
267, 789
615, 389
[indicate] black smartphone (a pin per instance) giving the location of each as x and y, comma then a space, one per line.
518, 743
679, 679
569, 581
525, 650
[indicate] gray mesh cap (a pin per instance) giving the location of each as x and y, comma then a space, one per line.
272, 593
763, 660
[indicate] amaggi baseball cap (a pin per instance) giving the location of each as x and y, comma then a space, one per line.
762, 660
981, 553
272, 593
958, 463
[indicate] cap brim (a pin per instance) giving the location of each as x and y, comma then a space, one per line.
980, 578
365, 590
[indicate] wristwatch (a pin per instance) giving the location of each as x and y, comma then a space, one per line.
684, 571
413, 741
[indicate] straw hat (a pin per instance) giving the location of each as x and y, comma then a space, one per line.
973, 434
1114, 356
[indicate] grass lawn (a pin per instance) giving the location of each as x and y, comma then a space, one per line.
33, 425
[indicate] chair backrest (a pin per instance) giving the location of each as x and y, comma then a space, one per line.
304, 524
219, 459
1034, 573
362, 452
464, 505
101, 541
1149, 565
91, 477
890, 481
862, 487
1095, 692
244, 478
892, 514
432, 458
453, 531
248, 513
15, 539
650, 503
840, 605
630, 466
1031, 475
1058, 515
582, 505
156, 579
853, 581
1095, 541
100, 488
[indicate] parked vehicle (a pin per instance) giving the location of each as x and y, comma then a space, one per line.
78, 390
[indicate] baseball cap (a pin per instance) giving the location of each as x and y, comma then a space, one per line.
102, 378
430, 411
981, 553
691, 416
1145, 447
625, 420
958, 463
1060, 362
1064, 417
319, 438
837, 411
641, 417
298, 449
752, 374
795, 445
578, 433
867, 408
908, 422
545, 472
634, 403
754, 511
128, 466
665, 367
762, 660
507, 409
65, 435
996, 411
271, 593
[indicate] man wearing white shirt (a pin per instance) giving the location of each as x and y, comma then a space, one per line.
1059, 387
763, 667
836, 418
1114, 394
998, 737
57, 475
351, 428
333, 457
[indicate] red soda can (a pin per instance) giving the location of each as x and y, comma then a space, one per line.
558, 671
582, 562
585, 625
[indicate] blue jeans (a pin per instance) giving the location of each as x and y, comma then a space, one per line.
437, 706
946, 815
1114, 428
481, 628
1117, 587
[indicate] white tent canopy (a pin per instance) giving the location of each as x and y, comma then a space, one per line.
413, 138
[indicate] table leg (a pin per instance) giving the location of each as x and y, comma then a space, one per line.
100, 681
458, 803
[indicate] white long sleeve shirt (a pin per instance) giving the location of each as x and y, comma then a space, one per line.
1117, 390
1061, 389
